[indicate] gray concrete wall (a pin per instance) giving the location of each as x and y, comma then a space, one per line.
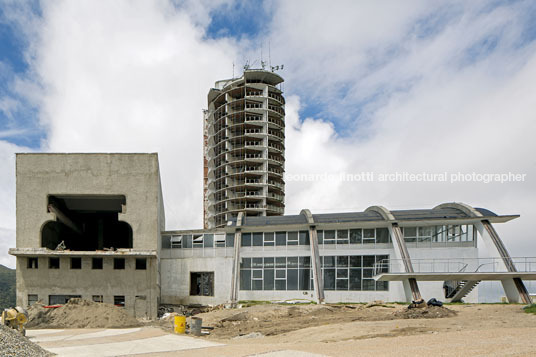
136, 176
176, 279
88, 282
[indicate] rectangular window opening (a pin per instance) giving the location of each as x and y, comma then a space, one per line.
33, 263
76, 263
53, 263
119, 263
119, 300
141, 263
32, 299
96, 263
97, 298
201, 283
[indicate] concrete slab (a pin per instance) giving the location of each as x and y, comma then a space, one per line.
132, 341
82, 336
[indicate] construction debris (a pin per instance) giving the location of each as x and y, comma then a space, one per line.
14, 344
429, 312
78, 313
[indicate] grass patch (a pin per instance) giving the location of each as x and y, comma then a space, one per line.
530, 309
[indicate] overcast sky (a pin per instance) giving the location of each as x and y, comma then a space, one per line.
380, 87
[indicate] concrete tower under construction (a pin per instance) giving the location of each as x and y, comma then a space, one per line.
244, 148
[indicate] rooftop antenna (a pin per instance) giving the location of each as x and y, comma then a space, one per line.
263, 64
233, 69
269, 55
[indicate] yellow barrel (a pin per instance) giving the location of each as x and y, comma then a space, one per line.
180, 324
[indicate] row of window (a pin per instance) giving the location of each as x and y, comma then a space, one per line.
270, 239
119, 300
76, 263
452, 233
448, 233
353, 273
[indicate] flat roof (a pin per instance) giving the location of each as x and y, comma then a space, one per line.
33, 252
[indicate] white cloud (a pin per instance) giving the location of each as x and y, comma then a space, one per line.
431, 104
130, 76
133, 76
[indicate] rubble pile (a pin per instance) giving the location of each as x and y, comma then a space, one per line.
12, 343
78, 313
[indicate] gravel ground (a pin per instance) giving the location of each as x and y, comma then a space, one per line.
12, 343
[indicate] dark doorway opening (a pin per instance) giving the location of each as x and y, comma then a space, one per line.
86, 223
202, 284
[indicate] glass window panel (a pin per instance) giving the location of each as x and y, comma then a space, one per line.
355, 261
355, 279
368, 261
269, 263
281, 274
281, 238
268, 279
329, 237
245, 279
187, 241
292, 238
269, 239
342, 234
257, 274
280, 285
329, 262
258, 239
197, 240
208, 239
410, 231
256, 285
425, 231
256, 263
320, 236
384, 261
229, 240
304, 277
292, 262
368, 233
246, 239
246, 263
355, 236
342, 284
367, 273
329, 279
369, 284
382, 235
342, 261
304, 238
342, 273
305, 262
382, 285
280, 262
292, 279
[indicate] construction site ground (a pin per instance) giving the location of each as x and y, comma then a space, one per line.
311, 330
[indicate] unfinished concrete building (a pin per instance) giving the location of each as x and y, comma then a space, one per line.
88, 225
92, 226
244, 148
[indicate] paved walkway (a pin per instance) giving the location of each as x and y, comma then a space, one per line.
114, 342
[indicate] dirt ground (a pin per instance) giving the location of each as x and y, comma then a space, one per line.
78, 313
353, 330
273, 320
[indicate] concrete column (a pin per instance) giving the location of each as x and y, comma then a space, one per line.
235, 277
316, 266
514, 289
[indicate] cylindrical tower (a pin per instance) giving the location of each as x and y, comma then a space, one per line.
244, 148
